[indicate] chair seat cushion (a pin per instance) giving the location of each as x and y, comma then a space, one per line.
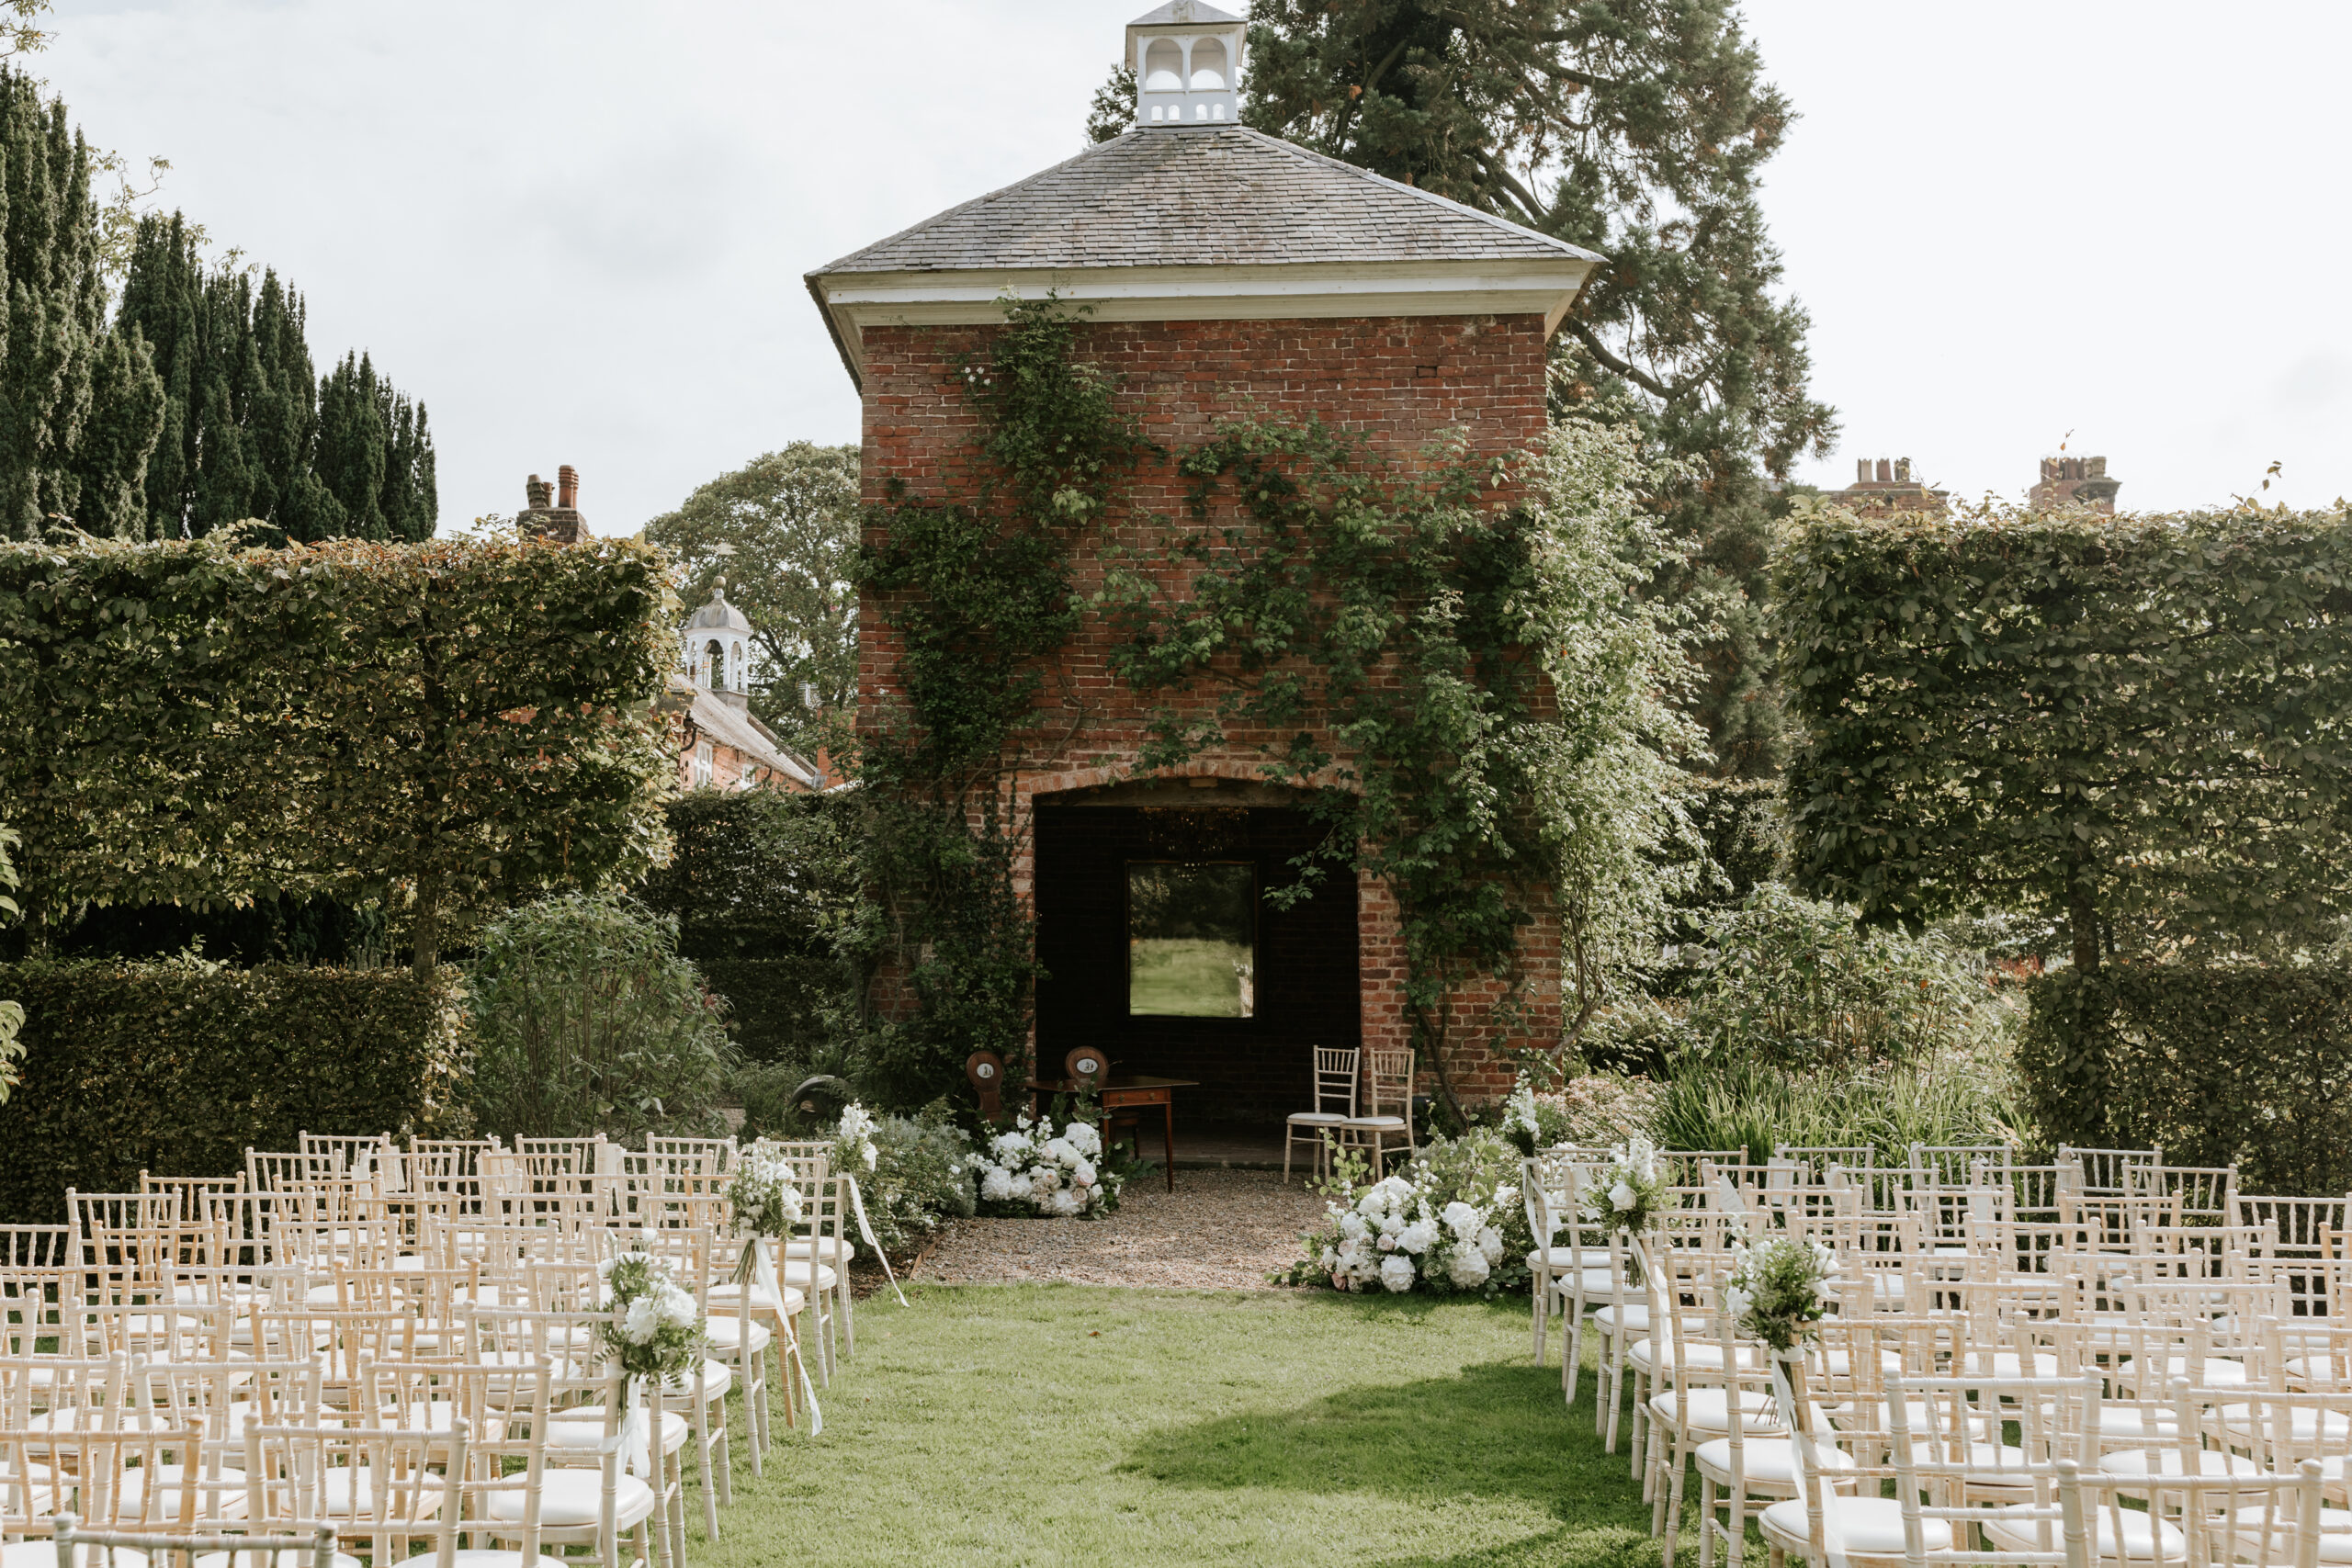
1566, 1258
835, 1249
489, 1557
717, 1376
1635, 1316
582, 1426
2005, 1364
1374, 1124
1857, 1527
724, 1297
43, 1554
726, 1333
2335, 1534
1316, 1118
1767, 1462
224, 1501
2214, 1371
348, 1489
242, 1559
1703, 1355
1597, 1282
2303, 1423
569, 1499
2142, 1539
1709, 1410
2167, 1462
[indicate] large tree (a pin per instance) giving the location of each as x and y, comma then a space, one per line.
1638, 129
250, 430
783, 530
80, 407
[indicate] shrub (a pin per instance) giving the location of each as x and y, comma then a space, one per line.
178, 1067
1791, 981
767, 891
913, 1172
2238, 1064
589, 1022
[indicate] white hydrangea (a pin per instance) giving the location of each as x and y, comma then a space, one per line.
1065, 1201
996, 1186
643, 1319
1418, 1237
1082, 1137
1468, 1268
1463, 1220
1490, 1245
1397, 1273
1351, 1226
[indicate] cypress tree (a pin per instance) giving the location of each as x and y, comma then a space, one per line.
250, 429
80, 407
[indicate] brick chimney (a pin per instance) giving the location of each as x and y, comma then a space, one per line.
1885, 488
2074, 482
560, 522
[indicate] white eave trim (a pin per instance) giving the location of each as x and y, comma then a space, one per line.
1541, 286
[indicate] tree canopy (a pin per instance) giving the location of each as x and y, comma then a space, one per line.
783, 530
2136, 725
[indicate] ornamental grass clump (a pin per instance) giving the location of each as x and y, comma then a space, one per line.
1029, 1171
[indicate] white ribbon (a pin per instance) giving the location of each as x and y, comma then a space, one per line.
764, 1270
865, 1229
637, 1447
1786, 1398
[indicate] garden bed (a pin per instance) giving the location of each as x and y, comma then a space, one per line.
1219, 1230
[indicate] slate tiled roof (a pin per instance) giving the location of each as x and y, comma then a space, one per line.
1166, 17
1201, 195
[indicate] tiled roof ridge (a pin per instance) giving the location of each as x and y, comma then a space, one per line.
1503, 228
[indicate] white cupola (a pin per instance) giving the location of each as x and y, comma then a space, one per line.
715, 647
1187, 60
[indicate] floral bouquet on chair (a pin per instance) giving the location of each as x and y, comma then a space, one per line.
1522, 1124
1776, 1288
1630, 1195
655, 1334
766, 1205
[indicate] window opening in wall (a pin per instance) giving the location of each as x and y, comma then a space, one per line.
703, 762
1163, 67
1191, 939
1208, 66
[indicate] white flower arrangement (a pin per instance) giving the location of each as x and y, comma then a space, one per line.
1386, 1235
764, 1200
856, 1131
656, 1327
1031, 1169
1777, 1288
1520, 1121
1630, 1194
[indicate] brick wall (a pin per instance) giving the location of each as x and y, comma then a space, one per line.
1398, 381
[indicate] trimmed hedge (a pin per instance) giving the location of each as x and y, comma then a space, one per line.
176, 1067
2219, 1064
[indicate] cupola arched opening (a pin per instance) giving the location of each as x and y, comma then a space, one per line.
1163, 67
1208, 66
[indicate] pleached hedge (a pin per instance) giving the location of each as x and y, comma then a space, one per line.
2248, 1064
178, 1067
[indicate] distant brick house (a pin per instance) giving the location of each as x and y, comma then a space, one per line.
1225, 272
716, 742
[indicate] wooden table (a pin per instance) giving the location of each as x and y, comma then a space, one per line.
1125, 1094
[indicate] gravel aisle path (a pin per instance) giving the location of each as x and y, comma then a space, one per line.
1220, 1230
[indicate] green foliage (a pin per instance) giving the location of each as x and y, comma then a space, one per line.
783, 531
1738, 1102
12, 1012
1481, 1169
1639, 129
1793, 984
921, 1177
2221, 1064
768, 892
80, 408
461, 723
2136, 724
589, 1022
178, 1067
976, 597
250, 431
1397, 613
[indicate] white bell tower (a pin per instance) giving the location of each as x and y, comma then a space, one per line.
1187, 60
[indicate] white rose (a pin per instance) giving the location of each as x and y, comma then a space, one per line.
1059, 1152
1045, 1178
644, 1320
1462, 1220
1622, 1198
1387, 1242
678, 1308
1082, 1172
1397, 1273
1468, 1268
1490, 1245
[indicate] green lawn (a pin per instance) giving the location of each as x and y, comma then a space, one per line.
1068, 1425
1185, 976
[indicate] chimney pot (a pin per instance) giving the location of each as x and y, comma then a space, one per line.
535, 494
1861, 470
567, 487
1886, 472
1903, 470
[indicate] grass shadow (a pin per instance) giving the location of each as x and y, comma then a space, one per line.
1495, 1430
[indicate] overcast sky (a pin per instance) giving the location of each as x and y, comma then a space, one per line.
578, 229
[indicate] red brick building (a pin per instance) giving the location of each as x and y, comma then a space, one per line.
1224, 273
